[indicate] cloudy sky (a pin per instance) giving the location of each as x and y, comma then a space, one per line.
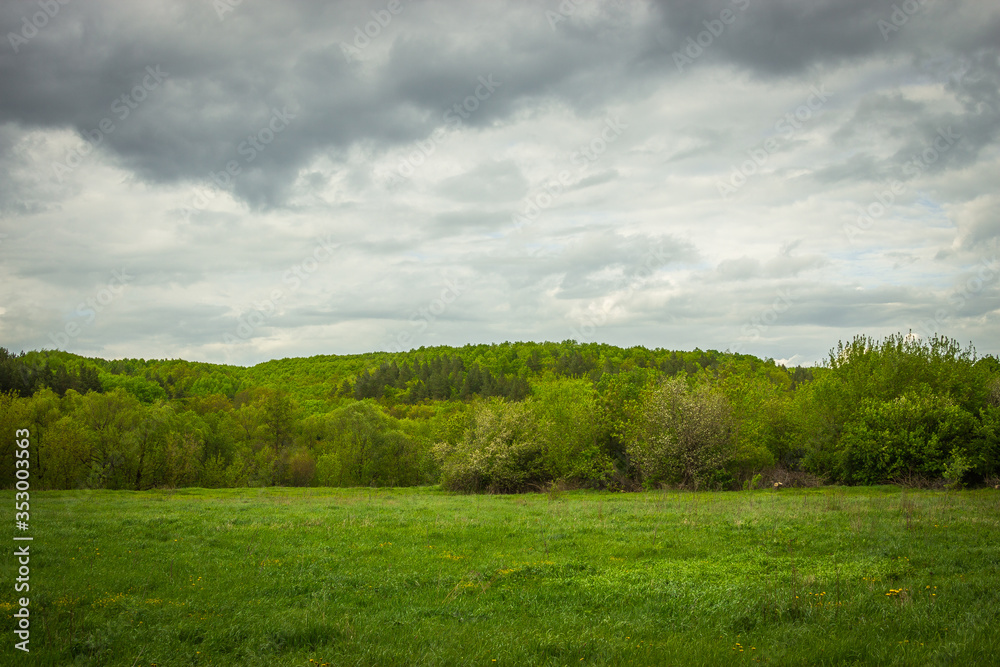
239, 180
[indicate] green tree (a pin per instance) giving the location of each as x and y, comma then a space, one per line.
66, 452
109, 420
147, 440
14, 415
278, 417
572, 432
371, 450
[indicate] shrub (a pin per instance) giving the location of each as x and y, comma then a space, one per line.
985, 452
684, 437
913, 434
502, 452
299, 467
955, 469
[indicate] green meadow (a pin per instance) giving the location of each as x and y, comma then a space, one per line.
418, 576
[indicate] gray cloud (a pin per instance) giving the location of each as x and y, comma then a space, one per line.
410, 153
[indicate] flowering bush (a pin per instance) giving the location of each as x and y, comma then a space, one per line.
502, 451
683, 437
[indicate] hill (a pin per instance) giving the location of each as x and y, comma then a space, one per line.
507, 417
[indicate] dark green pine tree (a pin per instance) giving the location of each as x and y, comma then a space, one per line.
89, 380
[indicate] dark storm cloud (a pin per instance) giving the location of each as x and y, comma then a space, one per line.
221, 82
786, 37
224, 80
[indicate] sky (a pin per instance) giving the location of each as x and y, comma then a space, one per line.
234, 181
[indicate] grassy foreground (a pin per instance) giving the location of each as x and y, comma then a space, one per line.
420, 577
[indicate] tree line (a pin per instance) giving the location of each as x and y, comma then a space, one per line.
507, 417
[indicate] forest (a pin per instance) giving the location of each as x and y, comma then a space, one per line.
510, 417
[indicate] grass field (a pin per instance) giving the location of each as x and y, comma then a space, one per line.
420, 577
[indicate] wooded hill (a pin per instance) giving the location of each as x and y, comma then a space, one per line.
506, 417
